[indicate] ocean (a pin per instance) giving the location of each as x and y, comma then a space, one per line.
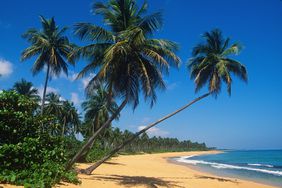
262, 166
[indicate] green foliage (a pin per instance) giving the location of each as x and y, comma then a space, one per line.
125, 55
211, 63
17, 121
50, 45
64, 113
38, 162
96, 153
71, 145
28, 156
147, 144
98, 108
113, 137
26, 88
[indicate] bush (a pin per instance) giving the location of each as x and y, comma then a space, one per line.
96, 153
72, 146
28, 155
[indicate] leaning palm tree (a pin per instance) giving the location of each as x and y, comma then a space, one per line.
51, 48
26, 88
210, 65
128, 60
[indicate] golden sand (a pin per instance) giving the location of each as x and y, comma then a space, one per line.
151, 171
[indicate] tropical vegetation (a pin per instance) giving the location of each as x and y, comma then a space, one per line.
126, 57
210, 65
52, 49
29, 156
41, 137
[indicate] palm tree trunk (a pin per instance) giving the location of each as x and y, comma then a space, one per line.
45, 88
92, 138
90, 169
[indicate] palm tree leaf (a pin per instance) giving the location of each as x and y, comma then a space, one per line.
87, 31
237, 68
151, 23
39, 63
233, 50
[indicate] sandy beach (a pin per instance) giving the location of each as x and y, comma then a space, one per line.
154, 170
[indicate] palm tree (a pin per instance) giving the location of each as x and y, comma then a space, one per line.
26, 88
54, 104
54, 108
70, 117
52, 49
129, 61
210, 65
64, 112
98, 109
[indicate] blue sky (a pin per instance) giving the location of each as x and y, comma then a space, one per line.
250, 119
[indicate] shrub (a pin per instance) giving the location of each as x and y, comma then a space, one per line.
28, 155
96, 153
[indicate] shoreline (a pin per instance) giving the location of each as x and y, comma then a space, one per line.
229, 176
154, 170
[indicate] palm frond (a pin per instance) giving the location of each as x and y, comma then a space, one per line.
232, 50
87, 31
210, 64
151, 23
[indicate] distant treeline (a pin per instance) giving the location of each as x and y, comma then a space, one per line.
146, 144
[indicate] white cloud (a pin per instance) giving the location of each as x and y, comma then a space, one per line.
48, 90
6, 67
75, 99
71, 76
154, 131
171, 86
86, 80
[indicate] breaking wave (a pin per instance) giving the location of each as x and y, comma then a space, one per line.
186, 159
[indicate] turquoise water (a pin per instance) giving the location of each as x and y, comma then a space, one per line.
264, 166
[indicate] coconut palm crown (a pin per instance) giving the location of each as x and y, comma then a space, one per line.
125, 56
98, 109
211, 63
51, 47
121, 15
26, 88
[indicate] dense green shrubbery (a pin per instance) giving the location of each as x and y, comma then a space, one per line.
28, 155
32, 155
71, 145
96, 153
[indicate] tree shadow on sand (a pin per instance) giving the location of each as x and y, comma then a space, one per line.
131, 181
218, 179
113, 163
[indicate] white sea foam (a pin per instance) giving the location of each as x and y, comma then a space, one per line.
262, 165
226, 166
